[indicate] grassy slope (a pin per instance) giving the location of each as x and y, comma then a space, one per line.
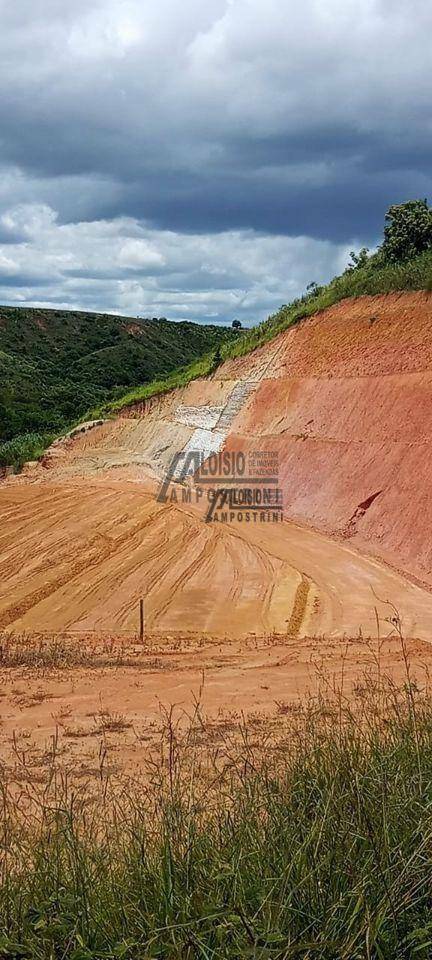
202, 367
54, 365
375, 278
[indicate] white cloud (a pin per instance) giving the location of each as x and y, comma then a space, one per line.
181, 276
139, 254
29, 219
7, 265
110, 30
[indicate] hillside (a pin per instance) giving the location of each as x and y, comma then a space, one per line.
342, 401
250, 627
334, 391
55, 364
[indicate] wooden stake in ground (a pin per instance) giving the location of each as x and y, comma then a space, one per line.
141, 631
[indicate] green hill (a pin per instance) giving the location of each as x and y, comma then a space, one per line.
56, 364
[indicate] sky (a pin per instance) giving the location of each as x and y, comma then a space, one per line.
207, 159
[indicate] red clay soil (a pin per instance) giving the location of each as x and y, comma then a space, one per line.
369, 336
350, 415
344, 398
112, 708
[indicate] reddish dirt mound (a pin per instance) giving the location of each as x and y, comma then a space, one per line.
370, 336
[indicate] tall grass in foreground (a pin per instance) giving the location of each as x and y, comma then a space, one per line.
322, 851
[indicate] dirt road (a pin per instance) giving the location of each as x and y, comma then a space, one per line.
108, 704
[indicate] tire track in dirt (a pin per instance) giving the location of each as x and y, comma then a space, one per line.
133, 570
98, 555
328, 372
60, 517
187, 572
239, 550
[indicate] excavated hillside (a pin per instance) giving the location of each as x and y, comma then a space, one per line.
342, 402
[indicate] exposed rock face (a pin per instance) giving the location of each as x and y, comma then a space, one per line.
344, 399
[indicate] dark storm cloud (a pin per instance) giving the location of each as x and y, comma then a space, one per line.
350, 205
261, 183
210, 125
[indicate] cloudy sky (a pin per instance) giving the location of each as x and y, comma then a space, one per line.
203, 159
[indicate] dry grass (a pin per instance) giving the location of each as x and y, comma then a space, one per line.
44, 653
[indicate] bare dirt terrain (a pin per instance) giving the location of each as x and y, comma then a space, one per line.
248, 612
105, 711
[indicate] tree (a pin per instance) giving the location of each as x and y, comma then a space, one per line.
408, 230
236, 325
358, 260
6, 405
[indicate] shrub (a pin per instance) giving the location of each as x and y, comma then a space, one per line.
28, 446
408, 230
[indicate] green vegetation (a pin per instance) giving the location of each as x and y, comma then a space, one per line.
178, 378
323, 849
408, 230
377, 273
56, 364
28, 446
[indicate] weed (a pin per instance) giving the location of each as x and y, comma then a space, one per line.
112, 722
